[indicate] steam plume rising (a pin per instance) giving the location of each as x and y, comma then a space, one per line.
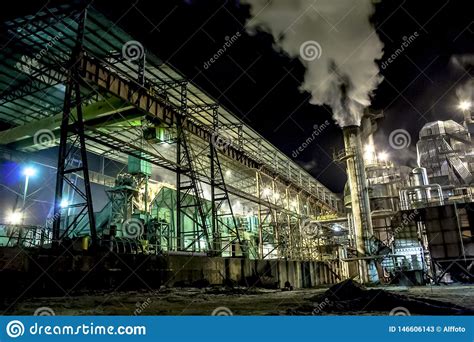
335, 41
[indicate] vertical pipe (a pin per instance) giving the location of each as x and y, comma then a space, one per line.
260, 223
179, 240
288, 218
298, 222
214, 234
275, 215
359, 195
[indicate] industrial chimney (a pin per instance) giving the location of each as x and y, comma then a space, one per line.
360, 204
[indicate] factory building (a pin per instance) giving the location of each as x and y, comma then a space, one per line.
413, 226
199, 197
197, 191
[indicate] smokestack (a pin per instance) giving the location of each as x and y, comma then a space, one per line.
359, 195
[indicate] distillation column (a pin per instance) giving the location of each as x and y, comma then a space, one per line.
360, 204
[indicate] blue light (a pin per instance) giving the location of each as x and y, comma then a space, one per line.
64, 203
29, 171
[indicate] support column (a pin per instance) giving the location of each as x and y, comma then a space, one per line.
275, 218
288, 218
73, 126
260, 223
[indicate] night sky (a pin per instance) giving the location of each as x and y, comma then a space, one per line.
261, 85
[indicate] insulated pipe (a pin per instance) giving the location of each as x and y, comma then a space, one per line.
360, 204
423, 196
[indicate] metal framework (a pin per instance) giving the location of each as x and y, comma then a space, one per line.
65, 73
72, 98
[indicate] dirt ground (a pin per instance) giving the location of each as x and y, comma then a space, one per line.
193, 301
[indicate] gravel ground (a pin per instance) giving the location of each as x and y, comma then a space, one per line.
193, 301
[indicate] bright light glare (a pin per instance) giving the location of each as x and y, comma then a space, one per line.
383, 156
228, 173
369, 148
465, 105
15, 217
29, 171
336, 227
267, 192
369, 153
64, 203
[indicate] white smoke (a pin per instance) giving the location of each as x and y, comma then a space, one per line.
464, 64
465, 92
335, 41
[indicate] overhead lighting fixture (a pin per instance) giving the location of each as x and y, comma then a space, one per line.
15, 217
465, 105
64, 203
29, 171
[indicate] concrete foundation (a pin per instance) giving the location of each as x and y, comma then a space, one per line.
40, 273
185, 270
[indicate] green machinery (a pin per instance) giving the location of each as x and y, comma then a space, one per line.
143, 212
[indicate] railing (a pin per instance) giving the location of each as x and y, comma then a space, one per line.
24, 236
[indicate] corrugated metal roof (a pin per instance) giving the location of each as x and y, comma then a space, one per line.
35, 55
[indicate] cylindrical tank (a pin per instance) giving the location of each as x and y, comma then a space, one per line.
419, 177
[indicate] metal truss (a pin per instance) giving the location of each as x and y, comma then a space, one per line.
73, 125
90, 65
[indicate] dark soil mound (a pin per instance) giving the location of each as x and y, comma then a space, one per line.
345, 290
349, 297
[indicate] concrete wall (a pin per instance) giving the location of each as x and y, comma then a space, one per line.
188, 270
109, 271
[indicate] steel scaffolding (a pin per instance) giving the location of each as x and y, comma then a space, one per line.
66, 72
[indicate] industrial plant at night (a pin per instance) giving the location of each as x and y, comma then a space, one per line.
124, 177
